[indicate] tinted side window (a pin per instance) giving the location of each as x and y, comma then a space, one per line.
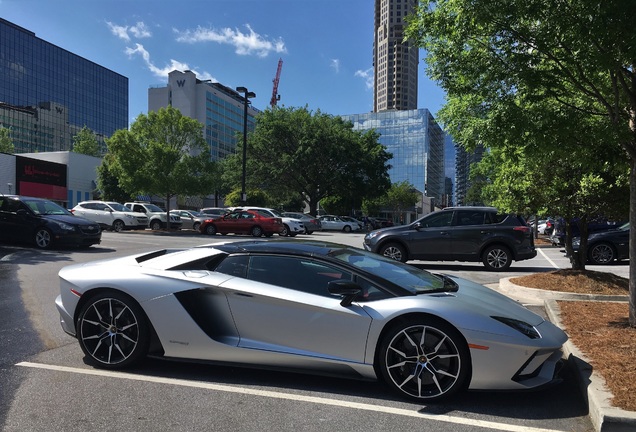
496, 218
234, 266
299, 274
469, 217
441, 219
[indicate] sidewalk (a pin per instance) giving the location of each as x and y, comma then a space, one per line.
604, 417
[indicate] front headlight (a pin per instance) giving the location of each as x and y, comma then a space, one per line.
520, 326
371, 235
128, 216
65, 227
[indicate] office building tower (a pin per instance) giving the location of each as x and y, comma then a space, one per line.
47, 94
394, 60
218, 108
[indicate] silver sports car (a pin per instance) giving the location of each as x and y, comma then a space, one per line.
311, 306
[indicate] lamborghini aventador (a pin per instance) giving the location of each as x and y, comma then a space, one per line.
309, 306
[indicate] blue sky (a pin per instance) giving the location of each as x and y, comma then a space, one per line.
326, 46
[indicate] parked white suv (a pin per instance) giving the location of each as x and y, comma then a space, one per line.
292, 226
110, 215
156, 215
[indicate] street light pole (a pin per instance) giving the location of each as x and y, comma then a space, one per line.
247, 95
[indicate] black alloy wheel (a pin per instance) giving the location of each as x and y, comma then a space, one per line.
113, 330
425, 359
601, 254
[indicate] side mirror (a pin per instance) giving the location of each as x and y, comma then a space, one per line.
417, 225
346, 288
22, 213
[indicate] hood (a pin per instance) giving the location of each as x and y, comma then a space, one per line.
69, 219
492, 303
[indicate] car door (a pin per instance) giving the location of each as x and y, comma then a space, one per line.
186, 218
286, 307
470, 230
430, 237
17, 222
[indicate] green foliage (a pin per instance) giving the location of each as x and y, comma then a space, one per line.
6, 144
163, 154
108, 182
293, 151
400, 197
255, 197
85, 142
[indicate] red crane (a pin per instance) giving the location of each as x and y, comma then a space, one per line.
275, 95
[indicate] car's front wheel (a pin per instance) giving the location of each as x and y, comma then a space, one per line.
497, 258
347, 228
394, 251
43, 238
425, 359
155, 225
118, 226
601, 254
112, 330
196, 226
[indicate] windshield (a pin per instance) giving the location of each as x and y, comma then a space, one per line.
624, 227
119, 207
42, 207
274, 212
154, 208
408, 277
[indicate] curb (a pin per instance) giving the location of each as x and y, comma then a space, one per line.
604, 417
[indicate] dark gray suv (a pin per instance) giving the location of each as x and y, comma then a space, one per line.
458, 234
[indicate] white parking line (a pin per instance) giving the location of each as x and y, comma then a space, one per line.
549, 260
289, 396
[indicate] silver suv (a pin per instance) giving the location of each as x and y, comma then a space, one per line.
111, 215
156, 215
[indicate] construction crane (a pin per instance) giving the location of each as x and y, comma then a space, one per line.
275, 95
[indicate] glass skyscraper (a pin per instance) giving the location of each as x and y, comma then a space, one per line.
47, 94
417, 144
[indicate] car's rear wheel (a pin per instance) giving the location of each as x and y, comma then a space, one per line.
210, 230
43, 238
394, 251
257, 231
155, 225
113, 330
347, 228
601, 254
425, 359
497, 258
118, 226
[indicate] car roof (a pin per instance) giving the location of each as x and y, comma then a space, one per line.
302, 247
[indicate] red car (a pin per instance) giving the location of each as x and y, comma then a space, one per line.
243, 222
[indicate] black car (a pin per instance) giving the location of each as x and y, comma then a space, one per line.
458, 234
606, 246
44, 223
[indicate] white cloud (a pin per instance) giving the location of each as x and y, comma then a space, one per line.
335, 65
139, 30
164, 71
244, 43
367, 76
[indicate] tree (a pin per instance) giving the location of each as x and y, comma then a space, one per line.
312, 155
400, 197
164, 154
85, 142
108, 182
6, 144
576, 54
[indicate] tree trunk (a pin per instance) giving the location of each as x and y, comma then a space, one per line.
632, 244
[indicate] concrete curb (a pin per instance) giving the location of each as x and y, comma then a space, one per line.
604, 417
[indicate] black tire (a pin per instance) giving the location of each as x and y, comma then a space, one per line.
210, 230
257, 231
309, 232
497, 258
43, 238
425, 359
347, 228
601, 254
113, 331
285, 232
394, 251
118, 226
155, 225
196, 225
